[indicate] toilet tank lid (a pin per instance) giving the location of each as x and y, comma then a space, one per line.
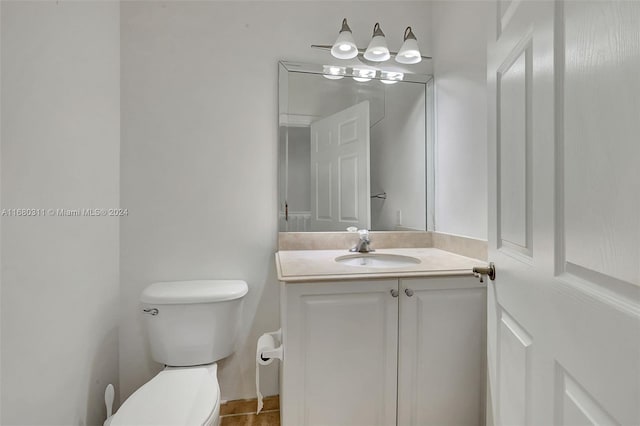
199, 291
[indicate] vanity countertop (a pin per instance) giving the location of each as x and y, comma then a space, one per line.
319, 265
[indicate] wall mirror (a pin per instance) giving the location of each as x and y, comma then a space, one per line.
353, 149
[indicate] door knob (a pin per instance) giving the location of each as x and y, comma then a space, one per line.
394, 292
408, 292
490, 271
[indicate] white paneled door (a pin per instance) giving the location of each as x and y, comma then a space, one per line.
563, 314
340, 170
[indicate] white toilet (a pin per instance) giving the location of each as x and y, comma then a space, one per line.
191, 324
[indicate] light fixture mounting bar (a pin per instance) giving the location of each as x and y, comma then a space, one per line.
328, 47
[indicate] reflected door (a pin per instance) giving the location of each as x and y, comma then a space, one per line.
563, 315
340, 170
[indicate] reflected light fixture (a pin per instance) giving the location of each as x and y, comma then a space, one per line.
345, 46
391, 77
362, 75
377, 51
333, 72
409, 52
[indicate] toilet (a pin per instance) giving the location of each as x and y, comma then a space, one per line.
191, 325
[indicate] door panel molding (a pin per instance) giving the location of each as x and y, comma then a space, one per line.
598, 287
558, 118
347, 132
348, 203
324, 207
574, 405
588, 277
508, 9
515, 345
515, 224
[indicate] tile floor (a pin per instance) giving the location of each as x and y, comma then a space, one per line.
243, 412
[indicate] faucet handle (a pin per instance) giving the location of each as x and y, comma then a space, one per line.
363, 244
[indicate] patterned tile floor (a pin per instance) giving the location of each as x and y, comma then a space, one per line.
243, 413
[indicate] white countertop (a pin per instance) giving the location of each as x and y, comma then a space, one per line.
320, 265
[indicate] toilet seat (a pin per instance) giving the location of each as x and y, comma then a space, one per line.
188, 396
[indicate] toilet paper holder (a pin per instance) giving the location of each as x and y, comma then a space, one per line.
266, 352
275, 353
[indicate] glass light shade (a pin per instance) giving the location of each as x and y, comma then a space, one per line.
377, 51
409, 52
345, 46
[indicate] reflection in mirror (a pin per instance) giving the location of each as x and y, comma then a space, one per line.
351, 153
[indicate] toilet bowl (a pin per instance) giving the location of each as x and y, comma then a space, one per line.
176, 397
191, 325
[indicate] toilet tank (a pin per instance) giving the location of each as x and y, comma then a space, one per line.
192, 322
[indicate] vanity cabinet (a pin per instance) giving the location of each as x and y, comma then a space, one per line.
340, 344
383, 352
441, 351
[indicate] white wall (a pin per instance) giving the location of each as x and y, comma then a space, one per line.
398, 163
199, 151
60, 149
459, 51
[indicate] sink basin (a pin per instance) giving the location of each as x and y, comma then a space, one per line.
377, 260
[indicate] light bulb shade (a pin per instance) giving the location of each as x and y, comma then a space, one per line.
377, 50
409, 52
345, 46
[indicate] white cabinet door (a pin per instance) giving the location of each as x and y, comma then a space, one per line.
563, 331
340, 194
441, 353
340, 359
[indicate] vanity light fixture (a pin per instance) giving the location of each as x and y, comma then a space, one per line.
377, 51
362, 75
390, 77
333, 72
345, 46
409, 52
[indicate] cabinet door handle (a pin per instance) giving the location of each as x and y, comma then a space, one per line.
394, 292
408, 292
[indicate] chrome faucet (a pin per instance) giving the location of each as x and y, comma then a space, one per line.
363, 244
